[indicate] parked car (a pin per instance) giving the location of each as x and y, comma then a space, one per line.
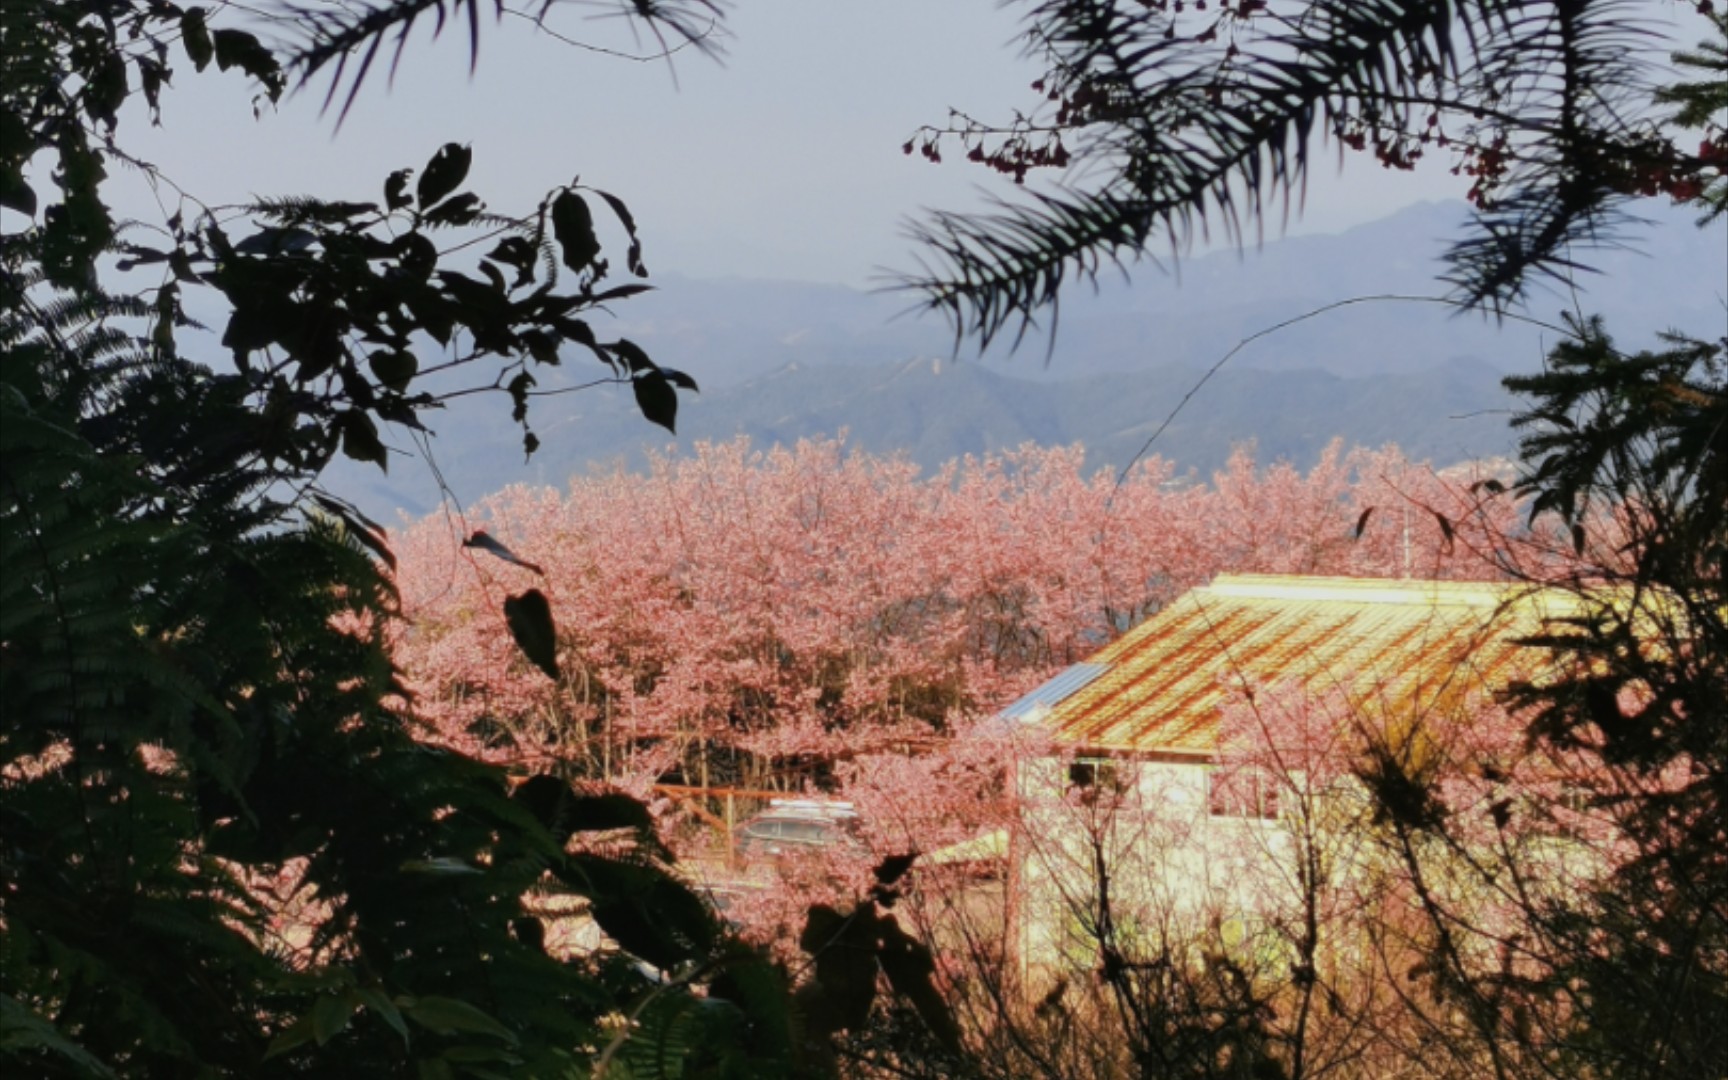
797, 826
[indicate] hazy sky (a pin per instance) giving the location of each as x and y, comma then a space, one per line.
781, 161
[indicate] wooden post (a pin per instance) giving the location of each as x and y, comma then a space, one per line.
731, 823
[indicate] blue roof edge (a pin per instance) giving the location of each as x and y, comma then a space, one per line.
1053, 691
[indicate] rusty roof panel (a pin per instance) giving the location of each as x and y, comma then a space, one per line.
1162, 683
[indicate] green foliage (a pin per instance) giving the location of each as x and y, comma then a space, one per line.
1631, 449
224, 850
1700, 105
224, 853
334, 303
852, 951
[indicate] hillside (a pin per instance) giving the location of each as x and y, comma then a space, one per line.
781, 361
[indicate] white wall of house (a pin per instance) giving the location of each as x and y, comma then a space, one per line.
1185, 870
1172, 869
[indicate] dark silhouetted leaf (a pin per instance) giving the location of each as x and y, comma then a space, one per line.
452, 1016
15, 194
758, 986
237, 48
361, 527
195, 38
573, 226
330, 1015
657, 400
530, 931
518, 389
28, 1032
256, 325
360, 439
106, 90
518, 253
607, 811
151, 75
543, 347
1362, 522
632, 356
296, 1034
545, 797
484, 541
634, 258
643, 908
843, 948
680, 380
888, 873
436, 315
495, 276
444, 173
529, 617
417, 255
620, 292
625, 218
911, 970
1446, 530
394, 368
140, 256
376, 1001
396, 189
277, 242
456, 210
894, 867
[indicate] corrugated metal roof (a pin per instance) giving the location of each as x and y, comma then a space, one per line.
1053, 691
1160, 686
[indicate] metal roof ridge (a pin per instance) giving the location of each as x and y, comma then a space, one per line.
1362, 590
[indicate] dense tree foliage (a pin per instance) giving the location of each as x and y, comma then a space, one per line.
756, 618
224, 853
1635, 714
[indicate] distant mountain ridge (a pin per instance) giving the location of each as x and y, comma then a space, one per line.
934, 411
1193, 311
781, 361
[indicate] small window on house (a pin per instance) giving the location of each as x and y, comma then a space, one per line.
1241, 793
1092, 773
1094, 777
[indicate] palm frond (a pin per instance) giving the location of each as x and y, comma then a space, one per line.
1181, 122
347, 38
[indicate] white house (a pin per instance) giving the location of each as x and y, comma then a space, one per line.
1204, 783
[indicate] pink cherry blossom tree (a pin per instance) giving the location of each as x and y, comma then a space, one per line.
791, 619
